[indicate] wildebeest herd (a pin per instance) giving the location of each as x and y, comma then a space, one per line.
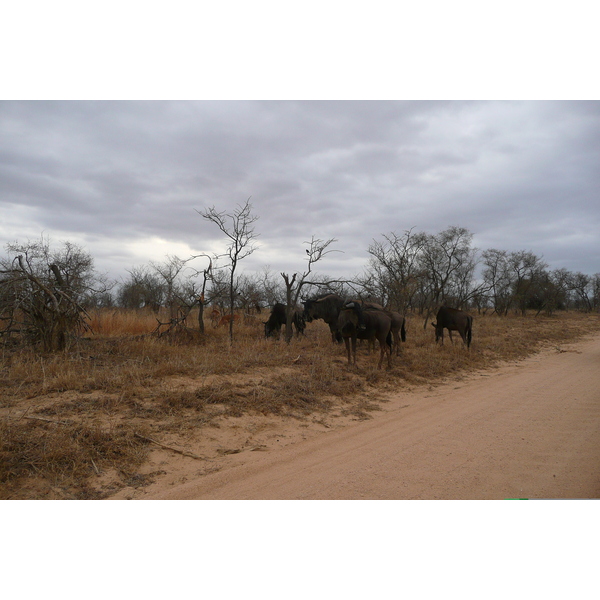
352, 320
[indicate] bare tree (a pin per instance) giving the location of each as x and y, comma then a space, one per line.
200, 295
394, 268
316, 250
498, 277
554, 287
527, 270
595, 291
143, 289
168, 272
41, 292
238, 227
449, 262
272, 287
583, 288
183, 292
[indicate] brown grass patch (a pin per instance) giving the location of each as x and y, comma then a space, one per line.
64, 457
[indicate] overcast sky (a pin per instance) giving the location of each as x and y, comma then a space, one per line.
124, 179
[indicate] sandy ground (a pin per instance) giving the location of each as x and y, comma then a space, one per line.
526, 430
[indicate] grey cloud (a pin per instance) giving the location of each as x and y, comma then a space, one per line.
519, 175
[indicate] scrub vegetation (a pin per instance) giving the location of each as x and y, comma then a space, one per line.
80, 423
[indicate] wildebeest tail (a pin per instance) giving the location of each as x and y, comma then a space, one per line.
388, 339
469, 331
403, 333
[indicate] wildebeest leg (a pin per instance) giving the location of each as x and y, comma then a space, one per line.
383, 350
347, 342
388, 347
397, 341
333, 331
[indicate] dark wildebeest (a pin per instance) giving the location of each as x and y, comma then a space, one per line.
277, 318
326, 308
398, 323
398, 330
374, 324
453, 320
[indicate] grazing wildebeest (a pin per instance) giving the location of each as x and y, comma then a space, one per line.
277, 318
374, 324
326, 308
453, 320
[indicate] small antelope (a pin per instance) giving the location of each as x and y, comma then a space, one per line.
215, 316
226, 319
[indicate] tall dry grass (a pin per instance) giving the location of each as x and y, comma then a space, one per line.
121, 321
66, 417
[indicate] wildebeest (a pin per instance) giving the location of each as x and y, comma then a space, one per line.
277, 318
398, 323
398, 330
453, 319
355, 323
326, 308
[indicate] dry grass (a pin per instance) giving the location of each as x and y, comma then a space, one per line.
69, 420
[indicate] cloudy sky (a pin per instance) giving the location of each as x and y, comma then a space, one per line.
124, 178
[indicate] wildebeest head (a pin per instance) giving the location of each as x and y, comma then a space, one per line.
309, 310
439, 332
276, 320
327, 308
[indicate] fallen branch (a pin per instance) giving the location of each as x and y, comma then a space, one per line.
184, 452
45, 420
25, 413
95, 467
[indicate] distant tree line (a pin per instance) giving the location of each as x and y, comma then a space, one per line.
45, 292
420, 271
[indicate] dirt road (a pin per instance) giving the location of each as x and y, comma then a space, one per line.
526, 430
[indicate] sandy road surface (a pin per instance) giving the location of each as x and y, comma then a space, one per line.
527, 430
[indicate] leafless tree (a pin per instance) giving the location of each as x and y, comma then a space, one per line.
448, 260
200, 295
527, 270
168, 273
238, 227
317, 249
394, 268
272, 287
143, 289
41, 293
583, 288
498, 278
